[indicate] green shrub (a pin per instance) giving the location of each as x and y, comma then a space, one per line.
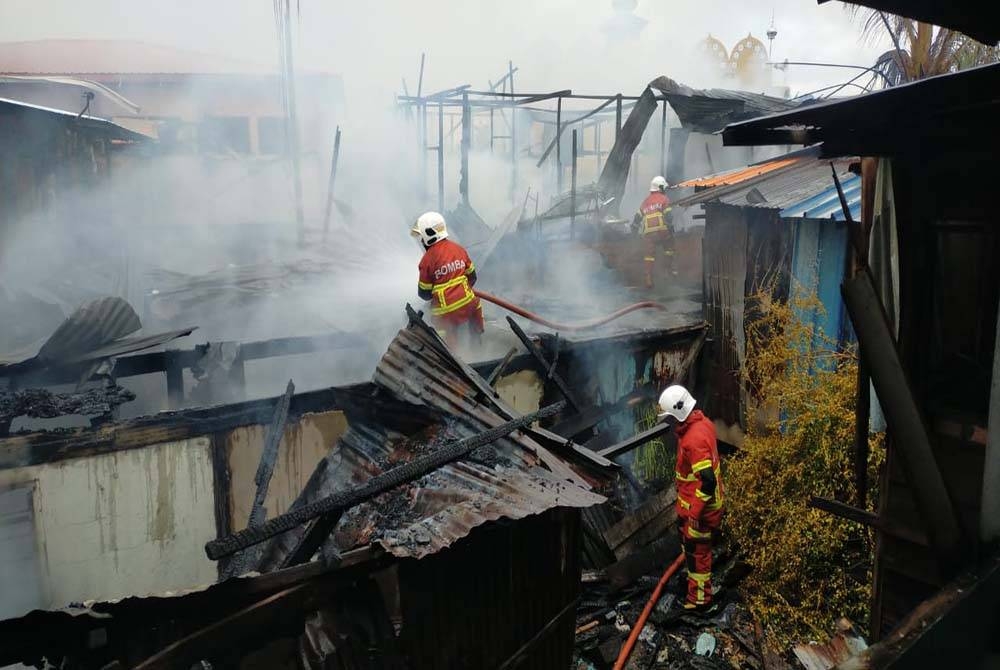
809, 567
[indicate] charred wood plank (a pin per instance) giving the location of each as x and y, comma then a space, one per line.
644, 562
865, 518
590, 417
501, 366
268, 456
345, 500
652, 519
636, 440
319, 530
262, 479
544, 365
903, 416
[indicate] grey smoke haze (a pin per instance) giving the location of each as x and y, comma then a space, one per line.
556, 43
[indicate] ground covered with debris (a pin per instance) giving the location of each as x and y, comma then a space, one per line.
723, 638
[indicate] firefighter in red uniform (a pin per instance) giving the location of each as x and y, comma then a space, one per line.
699, 492
653, 221
447, 276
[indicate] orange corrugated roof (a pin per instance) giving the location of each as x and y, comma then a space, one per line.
743, 174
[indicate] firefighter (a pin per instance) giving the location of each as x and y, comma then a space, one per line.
447, 276
654, 223
699, 492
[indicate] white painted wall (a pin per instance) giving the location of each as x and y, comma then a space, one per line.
126, 523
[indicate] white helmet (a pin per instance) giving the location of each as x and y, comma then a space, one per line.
677, 402
658, 184
430, 228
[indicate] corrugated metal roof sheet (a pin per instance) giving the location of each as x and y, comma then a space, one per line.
709, 110
826, 203
741, 174
513, 478
114, 130
803, 186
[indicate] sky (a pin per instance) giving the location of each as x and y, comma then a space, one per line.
556, 44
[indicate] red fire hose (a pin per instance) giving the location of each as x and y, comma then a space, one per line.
641, 621
648, 304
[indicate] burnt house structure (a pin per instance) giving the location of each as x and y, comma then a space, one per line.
474, 564
924, 306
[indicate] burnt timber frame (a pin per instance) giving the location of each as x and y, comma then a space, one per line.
173, 362
38, 448
467, 102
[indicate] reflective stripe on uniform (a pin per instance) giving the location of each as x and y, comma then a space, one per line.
649, 259
702, 496
654, 222
684, 478
684, 503
697, 534
700, 579
702, 465
443, 307
472, 268
425, 286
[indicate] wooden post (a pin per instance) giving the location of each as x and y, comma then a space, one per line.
441, 157
906, 423
559, 170
330, 185
513, 132
572, 193
424, 148
293, 125
597, 144
663, 140
862, 419
420, 78
618, 116
463, 185
175, 380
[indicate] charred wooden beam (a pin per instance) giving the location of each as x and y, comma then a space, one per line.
635, 441
904, 419
845, 511
269, 454
651, 520
345, 500
543, 363
954, 628
501, 366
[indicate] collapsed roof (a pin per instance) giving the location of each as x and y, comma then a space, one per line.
418, 377
710, 110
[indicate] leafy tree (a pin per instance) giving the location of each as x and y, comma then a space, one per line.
920, 49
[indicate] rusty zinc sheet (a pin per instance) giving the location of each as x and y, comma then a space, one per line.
513, 478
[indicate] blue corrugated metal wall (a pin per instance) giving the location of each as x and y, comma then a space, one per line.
818, 261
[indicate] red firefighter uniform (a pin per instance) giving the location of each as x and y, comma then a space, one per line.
447, 275
699, 502
656, 233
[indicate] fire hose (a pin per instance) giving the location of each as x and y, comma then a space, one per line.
584, 325
641, 621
